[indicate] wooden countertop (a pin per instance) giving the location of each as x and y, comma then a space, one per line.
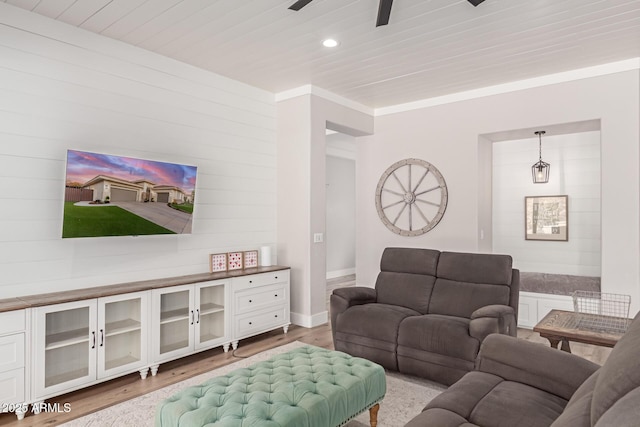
19, 303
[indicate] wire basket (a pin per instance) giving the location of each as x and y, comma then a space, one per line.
602, 312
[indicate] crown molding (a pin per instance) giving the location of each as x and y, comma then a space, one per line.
322, 93
567, 76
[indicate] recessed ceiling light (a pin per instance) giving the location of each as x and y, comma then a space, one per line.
330, 43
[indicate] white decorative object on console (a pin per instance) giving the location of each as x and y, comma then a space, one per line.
265, 256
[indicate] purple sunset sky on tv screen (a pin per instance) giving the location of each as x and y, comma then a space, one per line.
83, 166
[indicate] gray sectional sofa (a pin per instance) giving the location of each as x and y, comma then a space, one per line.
521, 383
429, 311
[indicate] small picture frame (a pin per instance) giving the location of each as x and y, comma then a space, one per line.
546, 218
217, 262
234, 261
250, 259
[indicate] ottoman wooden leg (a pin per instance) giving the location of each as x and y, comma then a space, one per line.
373, 415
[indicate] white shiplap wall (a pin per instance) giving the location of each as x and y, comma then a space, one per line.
575, 171
63, 88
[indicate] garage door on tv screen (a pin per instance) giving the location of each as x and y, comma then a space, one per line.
109, 195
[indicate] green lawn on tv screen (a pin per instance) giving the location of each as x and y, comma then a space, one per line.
184, 207
96, 221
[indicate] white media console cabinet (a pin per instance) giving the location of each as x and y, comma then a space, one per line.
52, 344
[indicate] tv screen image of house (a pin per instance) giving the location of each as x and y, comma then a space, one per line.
107, 195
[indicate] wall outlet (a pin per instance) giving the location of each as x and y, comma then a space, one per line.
318, 238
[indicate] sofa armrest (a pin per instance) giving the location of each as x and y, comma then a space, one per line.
492, 319
343, 298
534, 364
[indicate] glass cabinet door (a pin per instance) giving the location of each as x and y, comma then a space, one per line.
122, 333
65, 346
174, 318
210, 322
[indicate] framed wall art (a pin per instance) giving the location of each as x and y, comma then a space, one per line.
546, 218
217, 262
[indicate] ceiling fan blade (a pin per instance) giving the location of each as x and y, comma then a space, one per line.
475, 2
384, 12
299, 4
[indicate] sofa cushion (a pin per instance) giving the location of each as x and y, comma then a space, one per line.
489, 401
491, 269
623, 413
410, 260
403, 289
370, 331
467, 282
440, 418
463, 298
439, 334
620, 374
406, 277
578, 411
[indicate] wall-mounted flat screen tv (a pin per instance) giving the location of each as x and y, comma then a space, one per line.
108, 195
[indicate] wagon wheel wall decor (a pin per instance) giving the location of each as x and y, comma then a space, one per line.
411, 197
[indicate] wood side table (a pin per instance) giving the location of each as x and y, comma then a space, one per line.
560, 327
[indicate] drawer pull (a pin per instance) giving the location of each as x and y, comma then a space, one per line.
250, 281
276, 315
276, 277
276, 295
250, 300
251, 323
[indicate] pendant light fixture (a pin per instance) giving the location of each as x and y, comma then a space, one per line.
540, 170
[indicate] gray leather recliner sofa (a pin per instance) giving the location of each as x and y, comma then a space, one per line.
429, 311
521, 383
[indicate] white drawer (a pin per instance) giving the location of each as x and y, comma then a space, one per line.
258, 322
11, 352
261, 297
254, 280
12, 387
13, 321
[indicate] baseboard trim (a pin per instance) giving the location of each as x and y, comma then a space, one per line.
309, 321
340, 273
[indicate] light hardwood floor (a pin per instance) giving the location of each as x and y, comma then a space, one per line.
94, 398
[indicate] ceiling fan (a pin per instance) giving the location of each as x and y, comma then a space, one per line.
384, 9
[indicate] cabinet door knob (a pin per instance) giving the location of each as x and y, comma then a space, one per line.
251, 323
250, 300
276, 295
276, 315
250, 281
276, 277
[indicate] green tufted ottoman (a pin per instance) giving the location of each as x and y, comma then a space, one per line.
305, 387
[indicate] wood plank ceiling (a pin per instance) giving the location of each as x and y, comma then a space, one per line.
430, 47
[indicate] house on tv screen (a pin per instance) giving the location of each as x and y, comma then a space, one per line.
107, 188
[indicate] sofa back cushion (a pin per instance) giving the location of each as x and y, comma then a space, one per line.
406, 278
620, 375
467, 282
